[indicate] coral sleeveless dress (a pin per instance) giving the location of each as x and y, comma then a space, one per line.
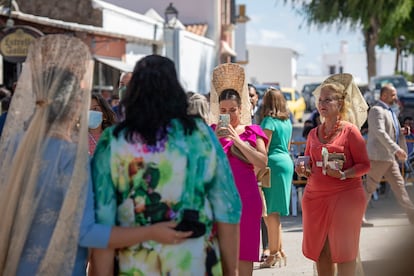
332, 208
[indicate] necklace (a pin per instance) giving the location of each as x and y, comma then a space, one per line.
328, 136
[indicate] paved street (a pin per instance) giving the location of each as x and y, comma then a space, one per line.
390, 224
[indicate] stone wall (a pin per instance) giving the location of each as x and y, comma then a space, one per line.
79, 11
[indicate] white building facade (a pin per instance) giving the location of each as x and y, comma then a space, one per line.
194, 55
271, 65
199, 12
356, 63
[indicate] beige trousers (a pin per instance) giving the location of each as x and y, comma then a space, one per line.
391, 172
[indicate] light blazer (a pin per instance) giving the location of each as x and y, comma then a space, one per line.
381, 144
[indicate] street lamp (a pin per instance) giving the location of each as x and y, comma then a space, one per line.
9, 22
171, 15
401, 41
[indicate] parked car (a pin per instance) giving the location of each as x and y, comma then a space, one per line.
398, 81
307, 93
400, 84
261, 89
406, 104
295, 101
410, 87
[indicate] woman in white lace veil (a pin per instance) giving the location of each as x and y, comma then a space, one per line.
44, 163
46, 197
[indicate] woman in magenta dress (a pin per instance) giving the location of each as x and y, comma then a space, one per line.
334, 200
230, 96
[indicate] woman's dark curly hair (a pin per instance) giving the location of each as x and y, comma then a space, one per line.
153, 98
109, 117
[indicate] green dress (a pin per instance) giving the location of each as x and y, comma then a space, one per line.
281, 165
137, 185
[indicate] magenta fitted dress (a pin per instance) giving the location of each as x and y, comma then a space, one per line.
246, 183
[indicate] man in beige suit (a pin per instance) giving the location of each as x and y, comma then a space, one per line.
386, 146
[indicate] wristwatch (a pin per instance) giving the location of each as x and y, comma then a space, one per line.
343, 176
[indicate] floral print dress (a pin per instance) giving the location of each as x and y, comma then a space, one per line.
137, 185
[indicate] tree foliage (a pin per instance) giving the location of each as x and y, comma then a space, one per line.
381, 21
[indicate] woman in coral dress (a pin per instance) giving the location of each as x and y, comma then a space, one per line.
334, 200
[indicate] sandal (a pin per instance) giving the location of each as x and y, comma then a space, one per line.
265, 255
283, 256
272, 260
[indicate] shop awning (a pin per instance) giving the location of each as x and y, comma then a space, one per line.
117, 64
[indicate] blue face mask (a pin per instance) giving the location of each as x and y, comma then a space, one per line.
95, 119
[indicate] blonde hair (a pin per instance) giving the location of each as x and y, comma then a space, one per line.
198, 105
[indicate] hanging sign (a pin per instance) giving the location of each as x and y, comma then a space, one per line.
15, 43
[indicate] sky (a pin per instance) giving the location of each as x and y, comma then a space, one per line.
274, 23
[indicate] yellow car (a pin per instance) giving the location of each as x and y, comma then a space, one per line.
296, 102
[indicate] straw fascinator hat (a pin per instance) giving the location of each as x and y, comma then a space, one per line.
229, 76
357, 108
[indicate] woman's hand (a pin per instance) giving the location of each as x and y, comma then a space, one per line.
336, 173
232, 135
256, 155
163, 232
301, 169
401, 155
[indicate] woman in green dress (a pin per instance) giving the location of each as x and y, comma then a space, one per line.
278, 128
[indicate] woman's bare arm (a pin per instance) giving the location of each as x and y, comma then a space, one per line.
229, 236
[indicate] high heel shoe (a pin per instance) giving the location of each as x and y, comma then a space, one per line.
271, 261
284, 257
264, 255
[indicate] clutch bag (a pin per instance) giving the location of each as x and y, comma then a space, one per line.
263, 177
337, 160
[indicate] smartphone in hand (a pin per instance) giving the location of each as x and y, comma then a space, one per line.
223, 122
303, 160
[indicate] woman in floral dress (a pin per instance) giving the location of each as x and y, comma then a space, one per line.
161, 164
